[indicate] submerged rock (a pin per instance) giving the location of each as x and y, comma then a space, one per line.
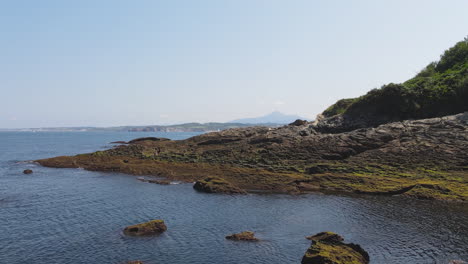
328, 248
28, 171
216, 185
246, 236
149, 228
161, 182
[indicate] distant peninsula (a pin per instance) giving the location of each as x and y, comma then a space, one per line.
274, 119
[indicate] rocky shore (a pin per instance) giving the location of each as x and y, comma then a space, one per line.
426, 158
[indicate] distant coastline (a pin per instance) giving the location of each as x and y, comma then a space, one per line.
187, 127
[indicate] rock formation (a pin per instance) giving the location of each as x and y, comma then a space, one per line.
216, 185
246, 236
328, 248
149, 228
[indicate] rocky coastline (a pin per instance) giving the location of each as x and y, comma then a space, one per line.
426, 158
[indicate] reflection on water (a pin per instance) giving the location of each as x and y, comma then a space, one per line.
76, 216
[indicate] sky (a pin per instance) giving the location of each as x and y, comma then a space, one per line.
144, 62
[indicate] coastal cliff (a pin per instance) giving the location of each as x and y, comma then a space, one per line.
406, 139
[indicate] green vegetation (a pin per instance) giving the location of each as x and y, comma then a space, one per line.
339, 107
439, 89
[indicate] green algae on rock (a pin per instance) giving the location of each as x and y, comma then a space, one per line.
148, 228
328, 248
245, 236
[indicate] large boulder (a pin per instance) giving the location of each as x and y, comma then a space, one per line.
28, 171
328, 248
149, 228
217, 185
246, 236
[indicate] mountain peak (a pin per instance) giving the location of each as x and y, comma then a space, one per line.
274, 117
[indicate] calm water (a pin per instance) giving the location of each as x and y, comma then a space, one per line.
76, 216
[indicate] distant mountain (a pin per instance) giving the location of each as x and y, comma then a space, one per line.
273, 118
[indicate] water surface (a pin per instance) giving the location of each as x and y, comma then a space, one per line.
76, 216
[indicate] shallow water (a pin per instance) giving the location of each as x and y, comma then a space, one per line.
76, 216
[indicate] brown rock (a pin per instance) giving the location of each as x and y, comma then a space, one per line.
246, 236
28, 171
217, 185
149, 228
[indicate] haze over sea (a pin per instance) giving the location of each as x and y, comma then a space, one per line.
76, 216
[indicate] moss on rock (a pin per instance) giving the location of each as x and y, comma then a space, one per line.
328, 248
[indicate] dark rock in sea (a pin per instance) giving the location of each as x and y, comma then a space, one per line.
134, 262
28, 171
149, 228
457, 262
118, 142
147, 139
328, 248
216, 185
246, 236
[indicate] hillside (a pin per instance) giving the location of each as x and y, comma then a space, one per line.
440, 89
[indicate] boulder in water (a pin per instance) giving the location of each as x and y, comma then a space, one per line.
328, 248
246, 236
149, 228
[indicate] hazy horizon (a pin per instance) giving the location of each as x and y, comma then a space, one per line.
120, 63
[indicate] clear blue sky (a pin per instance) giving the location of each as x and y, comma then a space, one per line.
109, 62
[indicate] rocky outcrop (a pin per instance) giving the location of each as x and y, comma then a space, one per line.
27, 171
147, 139
216, 185
149, 228
298, 122
424, 158
118, 142
328, 248
246, 236
326, 236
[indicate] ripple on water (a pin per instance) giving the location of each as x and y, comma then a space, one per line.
76, 216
